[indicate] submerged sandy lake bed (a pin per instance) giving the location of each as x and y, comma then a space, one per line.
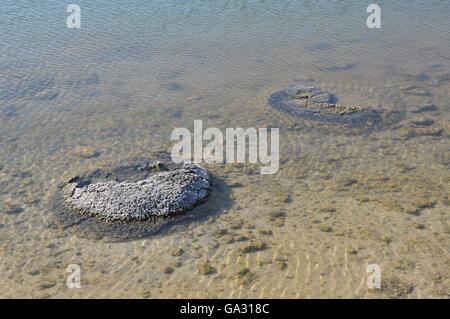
74, 100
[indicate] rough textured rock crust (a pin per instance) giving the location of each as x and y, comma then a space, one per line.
162, 194
311, 103
132, 199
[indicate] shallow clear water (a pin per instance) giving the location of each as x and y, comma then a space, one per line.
135, 70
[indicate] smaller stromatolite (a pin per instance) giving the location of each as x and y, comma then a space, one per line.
311, 103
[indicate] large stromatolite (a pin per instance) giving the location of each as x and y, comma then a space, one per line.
313, 104
132, 199
161, 194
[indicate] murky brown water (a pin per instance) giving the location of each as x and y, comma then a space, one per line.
341, 200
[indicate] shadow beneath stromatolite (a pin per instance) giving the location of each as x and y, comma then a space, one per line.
133, 170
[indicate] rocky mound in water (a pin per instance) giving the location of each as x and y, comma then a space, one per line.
313, 104
132, 199
162, 194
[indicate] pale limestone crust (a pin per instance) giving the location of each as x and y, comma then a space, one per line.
162, 194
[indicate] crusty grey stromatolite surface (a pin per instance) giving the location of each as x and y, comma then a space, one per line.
313, 104
162, 194
130, 200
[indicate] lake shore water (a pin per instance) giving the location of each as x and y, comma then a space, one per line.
72, 101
